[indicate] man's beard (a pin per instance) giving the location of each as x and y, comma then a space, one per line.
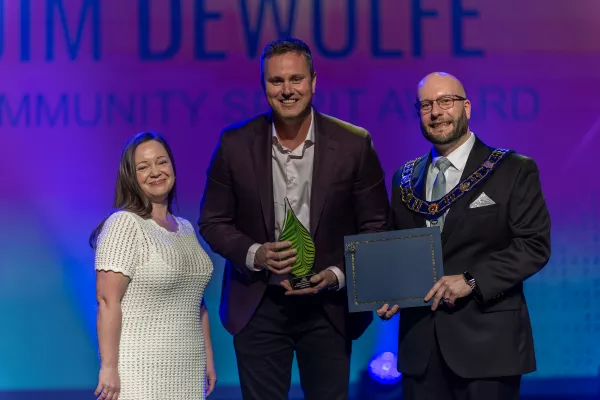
461, 128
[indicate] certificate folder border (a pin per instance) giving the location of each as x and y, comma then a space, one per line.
351, 249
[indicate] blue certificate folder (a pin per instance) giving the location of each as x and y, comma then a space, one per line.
394, 267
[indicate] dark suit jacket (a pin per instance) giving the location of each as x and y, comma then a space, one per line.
500, 245
348, 196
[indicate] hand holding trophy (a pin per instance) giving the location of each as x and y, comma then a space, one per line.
293, 231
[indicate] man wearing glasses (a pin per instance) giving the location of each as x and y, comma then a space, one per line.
474, 341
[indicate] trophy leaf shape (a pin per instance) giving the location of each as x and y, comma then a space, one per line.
302, 241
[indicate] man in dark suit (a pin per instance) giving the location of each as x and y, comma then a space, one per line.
475, 340
329, 172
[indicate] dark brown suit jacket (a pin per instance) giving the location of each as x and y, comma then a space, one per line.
348, 196
501, 245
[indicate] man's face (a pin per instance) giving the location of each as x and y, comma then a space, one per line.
289, 87
448, 122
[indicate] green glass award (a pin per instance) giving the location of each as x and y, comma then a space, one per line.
295, 232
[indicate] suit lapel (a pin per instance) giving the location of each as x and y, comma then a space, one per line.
263, 169
323, 168
419, 179
477, 156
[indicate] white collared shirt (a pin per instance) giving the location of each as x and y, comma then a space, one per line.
292, 178
458, 159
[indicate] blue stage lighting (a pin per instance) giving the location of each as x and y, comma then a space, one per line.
382, 368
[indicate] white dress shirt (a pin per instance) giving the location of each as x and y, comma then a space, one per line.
292, 178
458, 159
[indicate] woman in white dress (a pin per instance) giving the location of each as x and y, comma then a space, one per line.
153, 330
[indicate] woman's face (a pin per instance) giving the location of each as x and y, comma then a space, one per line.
154, 171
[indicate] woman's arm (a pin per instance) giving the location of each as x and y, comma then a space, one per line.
110, 288
211, 374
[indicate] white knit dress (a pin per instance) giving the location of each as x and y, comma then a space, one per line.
161, 351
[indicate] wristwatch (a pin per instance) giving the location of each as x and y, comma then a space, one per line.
470, 280
335, 287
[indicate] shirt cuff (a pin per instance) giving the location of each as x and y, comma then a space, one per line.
340, 277
250, 257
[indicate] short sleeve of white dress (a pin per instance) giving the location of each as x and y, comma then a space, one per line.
117, 247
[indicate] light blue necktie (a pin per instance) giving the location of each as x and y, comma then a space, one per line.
439, 186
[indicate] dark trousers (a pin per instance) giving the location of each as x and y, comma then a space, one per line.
440, 383
265, 350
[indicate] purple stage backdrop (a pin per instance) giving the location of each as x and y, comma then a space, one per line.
79, 77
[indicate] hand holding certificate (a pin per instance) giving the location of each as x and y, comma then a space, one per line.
394, 268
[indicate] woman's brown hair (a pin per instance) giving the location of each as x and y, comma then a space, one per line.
128, 193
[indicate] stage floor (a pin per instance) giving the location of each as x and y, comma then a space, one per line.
556, 389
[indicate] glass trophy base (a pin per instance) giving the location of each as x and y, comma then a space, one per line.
301, 282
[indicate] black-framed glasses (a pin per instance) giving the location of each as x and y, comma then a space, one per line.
445, 102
